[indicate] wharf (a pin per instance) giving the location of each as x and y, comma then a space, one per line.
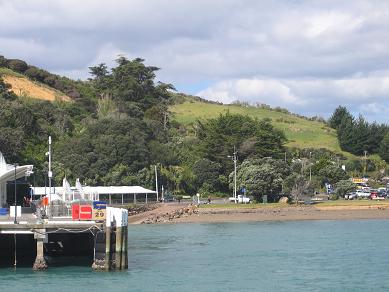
28, 226
104, 242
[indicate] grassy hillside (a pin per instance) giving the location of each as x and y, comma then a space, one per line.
301, 133
24, 87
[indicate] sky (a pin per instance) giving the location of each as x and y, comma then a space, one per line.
306, 56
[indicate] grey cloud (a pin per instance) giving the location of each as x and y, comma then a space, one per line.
300, 51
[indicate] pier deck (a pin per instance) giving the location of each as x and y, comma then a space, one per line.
103, 241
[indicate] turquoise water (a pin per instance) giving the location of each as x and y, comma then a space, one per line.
260, 256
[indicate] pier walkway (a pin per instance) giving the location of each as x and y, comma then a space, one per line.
103, 241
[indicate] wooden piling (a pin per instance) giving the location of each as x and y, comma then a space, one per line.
124, 248
107, 264
118, 247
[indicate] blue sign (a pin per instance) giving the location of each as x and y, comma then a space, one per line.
99, 205
243, 190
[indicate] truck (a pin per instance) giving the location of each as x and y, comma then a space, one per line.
240, 199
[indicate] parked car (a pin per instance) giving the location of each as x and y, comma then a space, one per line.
373, 193
351, 196
382, 192
168, 198
362, 194
240, 199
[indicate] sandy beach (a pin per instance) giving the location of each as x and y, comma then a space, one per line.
285, 213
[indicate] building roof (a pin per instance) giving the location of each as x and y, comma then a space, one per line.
8, 171
126, 190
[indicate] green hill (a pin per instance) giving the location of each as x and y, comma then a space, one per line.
301, 132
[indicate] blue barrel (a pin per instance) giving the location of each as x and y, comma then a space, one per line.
3, 211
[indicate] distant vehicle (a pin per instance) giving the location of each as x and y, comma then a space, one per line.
351, 196
366, 189
373, 194
240, 199
363, 194
382, 192
168, 198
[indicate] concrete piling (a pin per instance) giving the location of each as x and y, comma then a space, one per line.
40, 262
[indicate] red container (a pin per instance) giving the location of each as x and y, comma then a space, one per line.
76, 212
85, 212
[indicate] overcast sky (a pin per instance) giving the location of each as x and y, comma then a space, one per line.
307, 56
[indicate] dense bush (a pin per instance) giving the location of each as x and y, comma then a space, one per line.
17, 65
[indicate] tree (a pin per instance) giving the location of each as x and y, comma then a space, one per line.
253, 138
384, 148
339, 114
300, 186
332, 174
207, 175
346, 135
343, 187
263, 176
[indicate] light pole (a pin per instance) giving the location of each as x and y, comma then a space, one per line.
310, 166
50, 175
365, 166
156, 181
234, 158
15, 220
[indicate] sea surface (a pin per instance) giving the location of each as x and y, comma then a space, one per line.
255, 256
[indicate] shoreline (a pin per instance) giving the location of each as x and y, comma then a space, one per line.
167, 214
287, 214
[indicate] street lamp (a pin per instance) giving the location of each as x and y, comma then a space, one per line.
234, 158
15, 220
50, 175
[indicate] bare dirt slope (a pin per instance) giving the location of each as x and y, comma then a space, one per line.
25, 87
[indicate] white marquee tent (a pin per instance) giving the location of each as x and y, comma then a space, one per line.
125, 193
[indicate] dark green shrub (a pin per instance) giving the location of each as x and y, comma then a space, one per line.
17, 65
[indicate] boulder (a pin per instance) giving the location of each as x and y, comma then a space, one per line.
283, 200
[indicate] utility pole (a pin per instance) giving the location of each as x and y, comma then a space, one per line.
310, 166
365, 167
50, 175
156, 181
234, 158
15, 220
